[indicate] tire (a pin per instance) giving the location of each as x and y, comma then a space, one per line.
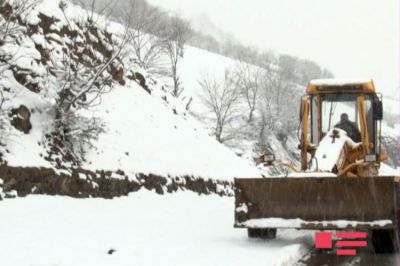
253, 232
268, 233
384, 241
263, 233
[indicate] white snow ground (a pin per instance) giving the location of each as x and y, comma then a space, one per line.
143, 229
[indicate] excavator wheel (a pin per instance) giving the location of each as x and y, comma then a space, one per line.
384, 241
387, 241
263, 233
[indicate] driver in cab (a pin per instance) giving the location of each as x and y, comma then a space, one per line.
350, 127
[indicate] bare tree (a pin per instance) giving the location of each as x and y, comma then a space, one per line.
288, 67
4, 121
280, 85
277, 92
267, 91
80, 133
177, 34
275, 83
5, 131
249, 81
146, 26
86, 77
93, 7
11, 12
221, 99
86, 64
266, 108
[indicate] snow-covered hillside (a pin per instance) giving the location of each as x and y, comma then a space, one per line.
143, 135
199, 64
143, 130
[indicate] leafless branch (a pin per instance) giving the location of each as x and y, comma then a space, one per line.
175, 38
220, 98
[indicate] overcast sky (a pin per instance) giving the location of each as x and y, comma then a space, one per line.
352, 38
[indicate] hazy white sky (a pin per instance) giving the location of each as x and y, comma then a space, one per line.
353, 38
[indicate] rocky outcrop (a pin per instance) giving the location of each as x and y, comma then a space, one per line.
139, 79
20, 118
82, 183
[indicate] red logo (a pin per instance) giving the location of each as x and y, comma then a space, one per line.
324, 240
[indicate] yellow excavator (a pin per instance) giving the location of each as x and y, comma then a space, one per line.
337, 185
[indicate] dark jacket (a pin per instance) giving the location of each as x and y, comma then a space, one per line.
351, 130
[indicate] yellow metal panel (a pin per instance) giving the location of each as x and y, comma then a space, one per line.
363, 122
304, 134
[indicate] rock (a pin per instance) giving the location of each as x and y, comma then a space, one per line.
20, 119
139, 79
117, 74
111, 251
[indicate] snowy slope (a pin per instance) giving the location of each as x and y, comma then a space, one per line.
142, 133
143, 229
197, 63
24, 149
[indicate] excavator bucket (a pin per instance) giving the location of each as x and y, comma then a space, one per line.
316, 203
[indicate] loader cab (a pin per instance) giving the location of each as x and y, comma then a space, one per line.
331, 102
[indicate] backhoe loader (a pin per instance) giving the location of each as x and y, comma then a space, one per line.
337, 185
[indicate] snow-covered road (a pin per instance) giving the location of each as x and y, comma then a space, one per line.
143, 229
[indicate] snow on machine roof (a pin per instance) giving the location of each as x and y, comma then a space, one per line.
319, 86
